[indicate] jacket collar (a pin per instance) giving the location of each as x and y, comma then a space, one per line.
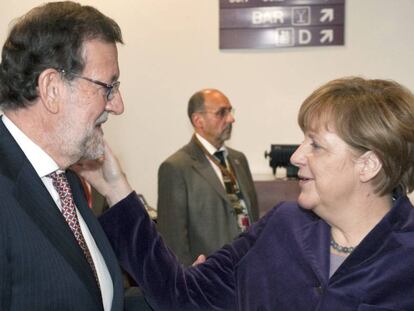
396, 228
202, 165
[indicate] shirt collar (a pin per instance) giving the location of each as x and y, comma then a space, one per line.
209, 147
40, 160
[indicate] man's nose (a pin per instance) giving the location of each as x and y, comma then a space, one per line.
116, 104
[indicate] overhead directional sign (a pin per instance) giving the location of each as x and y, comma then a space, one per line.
281, 23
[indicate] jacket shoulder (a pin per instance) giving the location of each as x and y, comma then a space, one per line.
234, 152
184, 156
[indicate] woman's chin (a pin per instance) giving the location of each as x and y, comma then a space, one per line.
306, 203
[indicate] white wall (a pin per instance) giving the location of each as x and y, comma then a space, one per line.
172, 50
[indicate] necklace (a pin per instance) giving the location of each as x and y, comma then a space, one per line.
340, 248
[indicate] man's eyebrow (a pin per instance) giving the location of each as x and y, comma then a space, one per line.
115, 78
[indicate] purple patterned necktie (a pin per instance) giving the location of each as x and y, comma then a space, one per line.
62, 187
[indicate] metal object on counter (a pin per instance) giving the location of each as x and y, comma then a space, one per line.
279, 156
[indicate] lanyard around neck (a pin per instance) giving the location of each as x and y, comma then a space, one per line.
224, 170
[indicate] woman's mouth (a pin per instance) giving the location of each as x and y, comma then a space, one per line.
303, 179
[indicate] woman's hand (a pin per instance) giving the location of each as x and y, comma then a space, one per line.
105, 175
200, 259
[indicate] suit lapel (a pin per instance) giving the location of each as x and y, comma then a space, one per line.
202, 165
99, 237
35, 200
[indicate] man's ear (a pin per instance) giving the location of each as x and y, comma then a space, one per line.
50, 89
370, 165
197, 120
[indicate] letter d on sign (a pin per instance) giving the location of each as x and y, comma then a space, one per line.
305, 36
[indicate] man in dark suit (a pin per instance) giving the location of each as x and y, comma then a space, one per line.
205, 198
58, 83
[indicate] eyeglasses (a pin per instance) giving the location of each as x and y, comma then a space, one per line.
110, 89
221, 113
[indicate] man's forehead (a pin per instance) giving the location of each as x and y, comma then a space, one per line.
100, 55
217, 101
92, 46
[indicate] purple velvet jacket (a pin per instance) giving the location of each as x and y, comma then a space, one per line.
281, 263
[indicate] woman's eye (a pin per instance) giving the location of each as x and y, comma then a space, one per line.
315, 145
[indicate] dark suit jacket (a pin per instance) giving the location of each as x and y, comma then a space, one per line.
281, 263
195, 215
42, 267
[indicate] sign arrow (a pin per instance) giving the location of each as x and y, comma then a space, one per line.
326, 35
327, 15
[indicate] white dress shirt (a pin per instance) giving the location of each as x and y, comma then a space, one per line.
44, 165
211, 149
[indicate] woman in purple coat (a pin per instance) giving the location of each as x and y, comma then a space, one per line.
347, 244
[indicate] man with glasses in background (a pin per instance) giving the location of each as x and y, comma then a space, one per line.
206, 194
58, 84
